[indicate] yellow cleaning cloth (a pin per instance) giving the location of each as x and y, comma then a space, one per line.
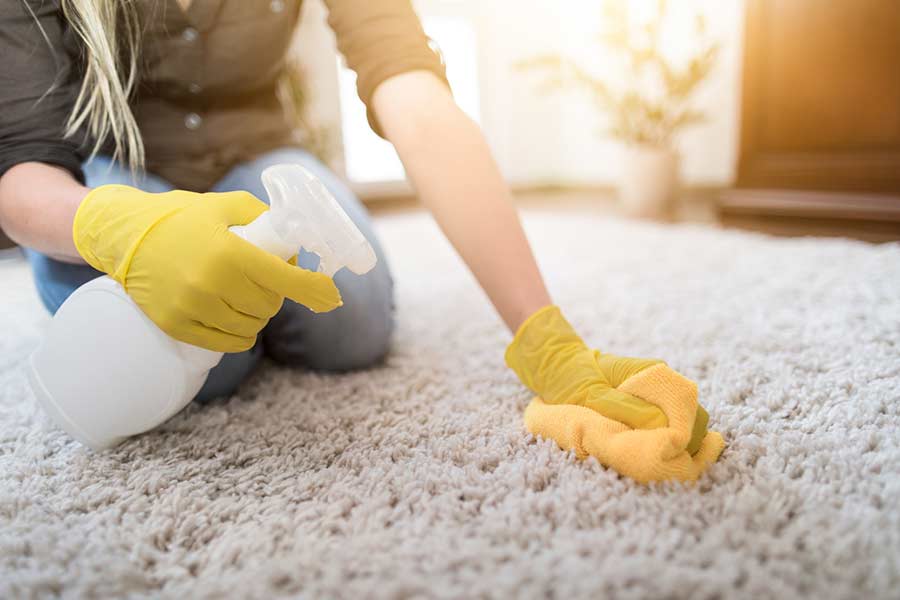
636, 416
643, 454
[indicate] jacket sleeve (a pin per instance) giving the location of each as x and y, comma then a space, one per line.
38, 87
380, 39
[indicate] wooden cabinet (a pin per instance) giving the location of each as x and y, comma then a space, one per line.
820, 119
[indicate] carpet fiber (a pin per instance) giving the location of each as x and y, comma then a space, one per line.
417, 479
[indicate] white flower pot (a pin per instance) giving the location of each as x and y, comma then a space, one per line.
649, 181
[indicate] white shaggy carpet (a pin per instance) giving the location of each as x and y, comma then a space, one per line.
417, 479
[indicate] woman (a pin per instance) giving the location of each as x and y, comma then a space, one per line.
183, 94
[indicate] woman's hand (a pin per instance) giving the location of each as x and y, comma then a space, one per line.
627, 394
174, 255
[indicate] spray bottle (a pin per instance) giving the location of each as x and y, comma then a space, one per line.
105, 372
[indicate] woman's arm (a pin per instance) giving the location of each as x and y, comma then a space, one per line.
37, 206
448, 161
451, 167
39, 164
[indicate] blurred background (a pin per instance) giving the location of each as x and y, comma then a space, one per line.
778, 115
540, 136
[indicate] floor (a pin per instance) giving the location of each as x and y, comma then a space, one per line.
703, 205
417, 479
692, 206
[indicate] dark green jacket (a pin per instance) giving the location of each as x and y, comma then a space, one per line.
207, 93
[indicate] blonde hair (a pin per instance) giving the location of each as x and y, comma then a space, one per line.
110, 34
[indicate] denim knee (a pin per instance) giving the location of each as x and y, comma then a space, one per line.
225, 378
355, 336
56, 280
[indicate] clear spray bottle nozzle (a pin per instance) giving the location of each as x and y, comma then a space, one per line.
303, 214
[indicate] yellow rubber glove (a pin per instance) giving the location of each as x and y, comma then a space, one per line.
196, 280
588, 401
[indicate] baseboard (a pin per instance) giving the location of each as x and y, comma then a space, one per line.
869, 217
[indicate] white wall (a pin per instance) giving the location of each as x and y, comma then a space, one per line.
315, 46
553, 139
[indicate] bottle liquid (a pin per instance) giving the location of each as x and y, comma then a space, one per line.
104, 371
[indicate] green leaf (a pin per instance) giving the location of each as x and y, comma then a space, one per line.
700, 24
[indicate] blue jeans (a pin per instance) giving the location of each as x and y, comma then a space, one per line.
354, 336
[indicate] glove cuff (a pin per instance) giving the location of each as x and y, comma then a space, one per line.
110, 224
524, 352
83, 229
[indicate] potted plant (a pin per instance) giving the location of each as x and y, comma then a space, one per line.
653, 104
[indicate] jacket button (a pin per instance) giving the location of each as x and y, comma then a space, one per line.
194, 87
276, 6
192, 121
189, 34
